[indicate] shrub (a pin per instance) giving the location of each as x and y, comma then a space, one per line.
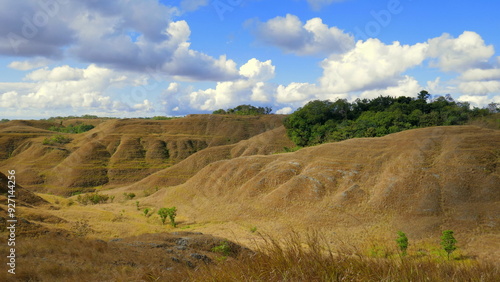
79, 128
223, 248
402, 241
56, 140
448, 242
170, 212
129, 196
94, 198
146, 211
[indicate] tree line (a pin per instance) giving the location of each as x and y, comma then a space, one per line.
245, 110
326, 121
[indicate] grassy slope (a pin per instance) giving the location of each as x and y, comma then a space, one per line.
116, 152
421, 181
357, 193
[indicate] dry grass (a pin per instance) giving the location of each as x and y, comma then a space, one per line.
292, 257
119, 151
310, 258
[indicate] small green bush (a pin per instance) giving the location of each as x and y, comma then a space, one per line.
223, 248
170, 212
129, 196
402, 241
94, 198
56, 140
448, 242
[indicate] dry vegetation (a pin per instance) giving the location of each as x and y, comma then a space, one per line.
355, 194
290, 258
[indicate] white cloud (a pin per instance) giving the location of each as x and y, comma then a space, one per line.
65, 87
251, 86
479, 87
481, 74
370, 65
312, 38
63, 73
296, 92
30, 64
408, 86
262, 92
121, 35
459, 54
284, 111
479, 100
145, 106
255, 69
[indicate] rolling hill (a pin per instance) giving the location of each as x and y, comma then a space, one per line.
116, 152
229, 176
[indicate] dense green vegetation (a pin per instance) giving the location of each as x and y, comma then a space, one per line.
245, 110
324, 121
78, 128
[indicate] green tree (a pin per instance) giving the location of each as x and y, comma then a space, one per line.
402, 241
448, 242
170, 213
423, 95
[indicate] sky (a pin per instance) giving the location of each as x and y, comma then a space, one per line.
143, 58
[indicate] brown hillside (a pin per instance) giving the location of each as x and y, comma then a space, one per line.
420, 181
269, 142
116, 151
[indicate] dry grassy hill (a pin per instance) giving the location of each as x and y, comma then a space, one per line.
421, 181
228, 177
116, 152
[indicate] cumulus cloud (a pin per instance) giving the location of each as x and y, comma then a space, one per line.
251, 86
293, 36
459, 54
284, 111
407, 86
30, 64
65, 87
255, 69
479, 87
371, 64
479, 100
480, 75
123, 35
296, 92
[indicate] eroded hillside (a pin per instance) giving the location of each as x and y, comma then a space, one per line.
420, 181
116, 152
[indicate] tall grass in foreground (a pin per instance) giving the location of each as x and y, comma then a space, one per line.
310, 259
293, 257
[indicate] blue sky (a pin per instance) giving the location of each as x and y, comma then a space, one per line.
141, 58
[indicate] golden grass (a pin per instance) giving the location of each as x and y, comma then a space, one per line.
290, 257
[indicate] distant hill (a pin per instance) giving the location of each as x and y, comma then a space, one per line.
116, 151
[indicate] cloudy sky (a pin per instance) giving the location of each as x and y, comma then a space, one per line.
138, 58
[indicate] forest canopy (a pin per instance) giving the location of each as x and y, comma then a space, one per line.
325, 121
245, 110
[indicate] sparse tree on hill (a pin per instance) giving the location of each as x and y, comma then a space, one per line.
448, 242
170, 212
402, 241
